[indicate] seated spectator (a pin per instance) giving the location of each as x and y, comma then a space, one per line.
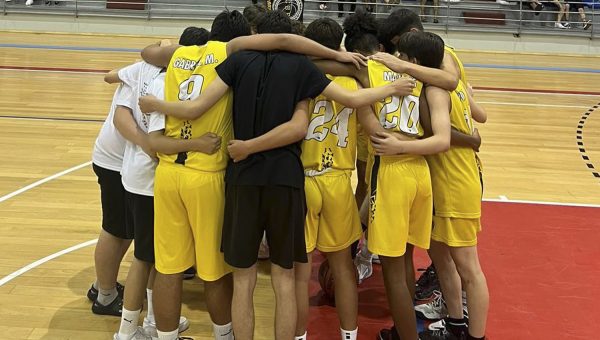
562, 8
579, 6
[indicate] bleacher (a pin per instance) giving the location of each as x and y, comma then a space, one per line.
516, 17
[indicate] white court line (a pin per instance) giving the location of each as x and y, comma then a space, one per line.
567, 204
503, 198
544, 93
51, 71
535, 105
39, 262
43, 180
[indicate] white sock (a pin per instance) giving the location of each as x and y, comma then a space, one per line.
301, 337
224, 332
106, 297
349, 335
172, 335
150, 314
95, 284
129, 322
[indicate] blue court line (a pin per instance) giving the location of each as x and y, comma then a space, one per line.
135, 50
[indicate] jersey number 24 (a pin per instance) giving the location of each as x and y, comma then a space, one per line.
317, 128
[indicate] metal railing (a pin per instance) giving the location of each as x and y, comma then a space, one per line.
516, 17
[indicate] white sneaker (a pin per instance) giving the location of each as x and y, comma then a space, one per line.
150, 326
437, 326
28, 2
559, 25
138, 335
503, 2
434, 310
364, 265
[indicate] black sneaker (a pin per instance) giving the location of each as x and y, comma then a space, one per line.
189, 274
114, 308
388, 334
427, 283
92, 293
439, 334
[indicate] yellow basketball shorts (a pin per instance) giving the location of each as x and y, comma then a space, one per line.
188, 221
362, 146
456, 232
400, 205
332, 222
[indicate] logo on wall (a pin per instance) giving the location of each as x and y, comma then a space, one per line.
293, 8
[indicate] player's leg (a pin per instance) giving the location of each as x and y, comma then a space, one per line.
448, 277
302, 273
207, 227
243, 229
284, 210
346, 292
410, 269
399, 298
174, 248
113, 242
141, 209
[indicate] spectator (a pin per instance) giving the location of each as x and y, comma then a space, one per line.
562, 9
579, 6
536, 5
436, 8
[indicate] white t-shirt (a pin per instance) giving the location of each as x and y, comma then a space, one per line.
110, 145
138, 168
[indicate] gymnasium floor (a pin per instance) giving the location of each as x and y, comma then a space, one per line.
541, 144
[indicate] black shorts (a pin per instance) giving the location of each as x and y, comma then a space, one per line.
112, 196
279, 211
140, 209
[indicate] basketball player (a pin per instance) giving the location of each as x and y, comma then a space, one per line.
332, 222
266, 191
138, 180
456, 222
114, 240
183, 238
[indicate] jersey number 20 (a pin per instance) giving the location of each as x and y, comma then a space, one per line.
401, 113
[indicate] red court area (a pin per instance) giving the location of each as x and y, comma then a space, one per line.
543, 271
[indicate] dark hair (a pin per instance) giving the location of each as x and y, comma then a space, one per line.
229, 25
426, 47
361, 32
326, 32
397, 23
274, 22
194, 36
253, 12
298, 27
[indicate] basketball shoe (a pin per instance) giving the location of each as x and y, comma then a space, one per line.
433, 310
138, 335
150, 326
427, 283
92, 293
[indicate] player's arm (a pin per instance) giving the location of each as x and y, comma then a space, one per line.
433, 76
128, 128
340, 69
365, 97
112, 77
287, 133
477, 111
188, 110
159, 54
209, 143
292, 43
437, 105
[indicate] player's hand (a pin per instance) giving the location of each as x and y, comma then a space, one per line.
392, 62
208, 143
385, 144
148, 104
404, 86
352, 57
477, 138
238, 150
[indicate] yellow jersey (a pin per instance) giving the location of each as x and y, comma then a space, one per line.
455, 176
397, 114
461, 67
330, 142
190, 71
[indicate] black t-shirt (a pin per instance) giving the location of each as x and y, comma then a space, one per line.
266, 88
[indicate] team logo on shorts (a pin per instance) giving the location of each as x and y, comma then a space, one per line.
293, 8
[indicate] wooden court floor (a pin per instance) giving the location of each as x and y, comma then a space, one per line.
541, 143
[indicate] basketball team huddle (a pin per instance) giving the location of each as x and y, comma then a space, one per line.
249, 132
